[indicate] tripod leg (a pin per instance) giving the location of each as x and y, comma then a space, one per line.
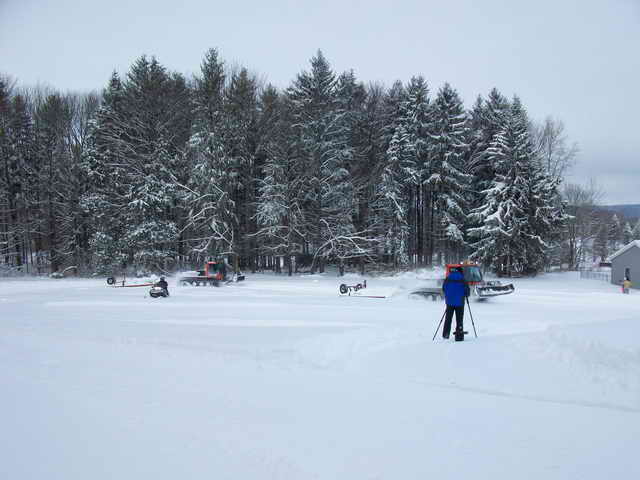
471, 315
438, 328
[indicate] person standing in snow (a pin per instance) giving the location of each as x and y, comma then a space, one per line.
626, 285
455, 291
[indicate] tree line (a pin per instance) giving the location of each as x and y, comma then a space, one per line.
160, 172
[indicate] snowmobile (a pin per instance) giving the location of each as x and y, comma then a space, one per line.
157, 291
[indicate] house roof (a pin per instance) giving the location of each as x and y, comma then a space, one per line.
635, 243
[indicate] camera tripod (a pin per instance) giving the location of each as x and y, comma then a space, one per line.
445, 312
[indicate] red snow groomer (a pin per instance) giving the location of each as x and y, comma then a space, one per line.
473, 277
478, 286
214, 273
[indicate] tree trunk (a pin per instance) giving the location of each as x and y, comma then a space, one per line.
431, 234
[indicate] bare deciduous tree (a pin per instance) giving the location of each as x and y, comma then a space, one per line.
581, 228
551, 145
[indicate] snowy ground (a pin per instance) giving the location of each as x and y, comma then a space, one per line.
281, 378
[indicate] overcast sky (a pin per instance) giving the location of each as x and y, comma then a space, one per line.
576, 60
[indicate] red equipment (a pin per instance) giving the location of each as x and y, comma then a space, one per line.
214, 272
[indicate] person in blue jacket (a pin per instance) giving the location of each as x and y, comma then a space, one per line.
455, 291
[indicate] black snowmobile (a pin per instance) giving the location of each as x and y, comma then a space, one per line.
159, 289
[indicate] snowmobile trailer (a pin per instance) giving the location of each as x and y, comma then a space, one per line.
113, 282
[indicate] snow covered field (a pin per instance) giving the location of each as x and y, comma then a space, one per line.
281, 378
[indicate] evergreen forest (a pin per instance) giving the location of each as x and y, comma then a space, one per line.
159, 172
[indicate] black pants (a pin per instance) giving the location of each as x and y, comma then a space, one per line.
446, 330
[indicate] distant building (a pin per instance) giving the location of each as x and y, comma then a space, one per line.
625, 263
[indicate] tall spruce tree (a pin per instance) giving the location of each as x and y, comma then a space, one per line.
392, 187
416, 113
323, 146
24, 179
636, 231
546, 218
137, 151
358, 158
504, 237
105, 163
52, 123
448, 179
392, 201
369, 160
7, 191
76, 225
280, 194
488, 119
240, 145
614, 233
627, 233
212, 213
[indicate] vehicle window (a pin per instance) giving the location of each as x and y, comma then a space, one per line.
472, 274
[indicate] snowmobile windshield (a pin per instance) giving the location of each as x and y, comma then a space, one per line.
472, 273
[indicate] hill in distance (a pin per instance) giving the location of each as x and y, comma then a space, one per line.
629, 211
